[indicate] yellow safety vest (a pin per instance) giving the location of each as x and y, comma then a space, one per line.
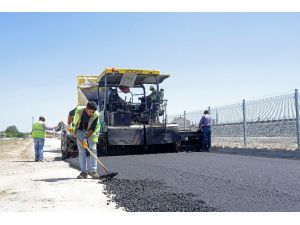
38, 130
77, 119
153, 95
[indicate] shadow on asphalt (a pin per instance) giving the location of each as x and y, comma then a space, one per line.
57, 179
25, 161
33, 161
58, 158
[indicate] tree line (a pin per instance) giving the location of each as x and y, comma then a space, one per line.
12, 132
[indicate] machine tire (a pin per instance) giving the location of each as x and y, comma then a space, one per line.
176, 147
102, 148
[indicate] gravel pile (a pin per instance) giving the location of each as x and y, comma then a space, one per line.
257, 129
152, 196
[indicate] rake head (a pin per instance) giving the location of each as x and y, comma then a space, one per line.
108, 176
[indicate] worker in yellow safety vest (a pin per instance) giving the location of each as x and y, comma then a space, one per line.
83, 121
153, 94
38, 134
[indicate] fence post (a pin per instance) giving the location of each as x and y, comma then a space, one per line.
244, 123
184, 118
297, 117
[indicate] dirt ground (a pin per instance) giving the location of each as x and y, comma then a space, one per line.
26, 185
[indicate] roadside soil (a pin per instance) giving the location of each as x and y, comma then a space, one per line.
26, 185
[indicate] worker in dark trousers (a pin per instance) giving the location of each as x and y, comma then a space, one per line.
205, 124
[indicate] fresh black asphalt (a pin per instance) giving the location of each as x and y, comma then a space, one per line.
200, 181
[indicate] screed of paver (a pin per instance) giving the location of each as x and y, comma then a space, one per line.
51, 185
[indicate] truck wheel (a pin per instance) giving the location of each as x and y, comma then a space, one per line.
65, 156
176, 147
102, 149
64, 153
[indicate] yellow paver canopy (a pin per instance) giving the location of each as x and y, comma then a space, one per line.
115, 76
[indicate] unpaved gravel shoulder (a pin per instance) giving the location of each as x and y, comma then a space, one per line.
26, 185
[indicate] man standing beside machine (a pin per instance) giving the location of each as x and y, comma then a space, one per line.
205, 124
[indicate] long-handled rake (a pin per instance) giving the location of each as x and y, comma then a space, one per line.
108, 174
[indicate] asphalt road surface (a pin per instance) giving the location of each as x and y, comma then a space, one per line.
204, 182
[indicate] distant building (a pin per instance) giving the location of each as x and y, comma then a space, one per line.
180, 121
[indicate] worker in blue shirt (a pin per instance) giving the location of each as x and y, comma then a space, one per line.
205, 124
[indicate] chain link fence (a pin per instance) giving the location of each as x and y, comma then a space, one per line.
270, 122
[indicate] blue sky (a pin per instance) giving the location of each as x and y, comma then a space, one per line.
213, 58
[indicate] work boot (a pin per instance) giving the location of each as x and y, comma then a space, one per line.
82, 175
94, 175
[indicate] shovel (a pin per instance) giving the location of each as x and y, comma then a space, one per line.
108, 174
